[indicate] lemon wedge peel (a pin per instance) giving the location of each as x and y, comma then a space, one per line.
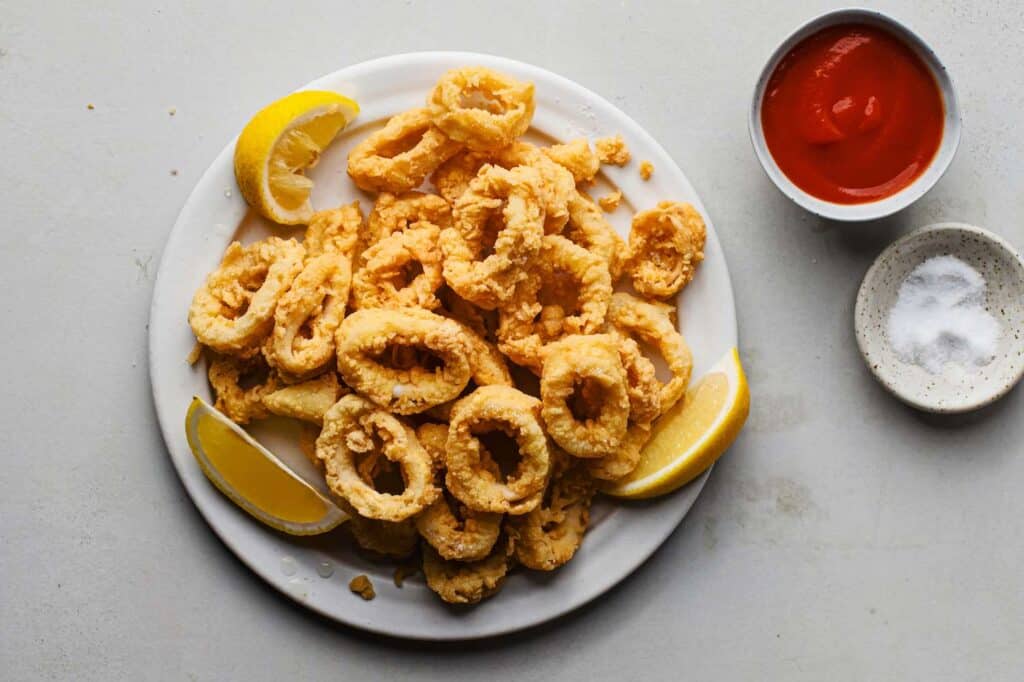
253, 478
279, 143
698, 453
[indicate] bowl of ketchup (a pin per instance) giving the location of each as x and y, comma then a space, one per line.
854, 117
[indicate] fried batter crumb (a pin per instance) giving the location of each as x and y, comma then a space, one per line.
404, 571
195, 354
646, 170
362, 586
610, 201
612, 150
90, 107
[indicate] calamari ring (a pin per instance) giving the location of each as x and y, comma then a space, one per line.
401, 155
393, 214
240, 387
482, 322
383, 281
457, 533
481, 108
666, 244
577, 157
641, 381
549, 536
308, 315
355, 427
497, 408
307, 401
339, 229
381, 539
456, 582
233, 311
528, 322
588, 366
650, 322
621, 462
557, 182
366, 335
515, 196
588, 227
452, 178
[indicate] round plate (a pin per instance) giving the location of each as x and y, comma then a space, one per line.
954, 389
622, 536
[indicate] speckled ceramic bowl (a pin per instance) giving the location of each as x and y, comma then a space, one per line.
956, 389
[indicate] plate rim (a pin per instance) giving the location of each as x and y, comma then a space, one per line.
169, 428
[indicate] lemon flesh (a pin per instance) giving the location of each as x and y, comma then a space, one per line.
692, 435
280, 143
253, 478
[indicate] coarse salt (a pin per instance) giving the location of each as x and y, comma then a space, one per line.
939, 317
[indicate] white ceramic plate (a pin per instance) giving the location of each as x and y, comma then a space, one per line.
622, 536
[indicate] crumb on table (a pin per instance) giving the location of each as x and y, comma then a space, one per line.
362, 586
646, 170
609, 202
90, 106
612, 150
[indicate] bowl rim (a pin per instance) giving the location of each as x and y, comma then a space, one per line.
881, 208
860, 332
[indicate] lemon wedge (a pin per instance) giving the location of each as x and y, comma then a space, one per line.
692, 435
280, 143
253, 477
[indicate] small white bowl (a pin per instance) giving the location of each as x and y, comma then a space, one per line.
906, 196
955, 389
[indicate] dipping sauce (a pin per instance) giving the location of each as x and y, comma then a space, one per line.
851, 115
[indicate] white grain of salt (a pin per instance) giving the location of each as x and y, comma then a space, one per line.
940, 317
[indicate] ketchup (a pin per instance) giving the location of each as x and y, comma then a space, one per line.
851, 115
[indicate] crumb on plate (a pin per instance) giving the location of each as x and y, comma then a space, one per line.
612, 150
609, 202
195, 354
646, 170
362, 586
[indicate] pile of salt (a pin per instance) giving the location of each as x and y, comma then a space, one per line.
940, 317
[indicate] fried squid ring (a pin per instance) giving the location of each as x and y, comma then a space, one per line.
452, 178
549, 536
470, 477
557, 182
588, 227
240, 387
621, 462
356, 432
454, 531
512, 196
641, 381
457, 582
577, 157
401, 155
393, 213
381, 539
650, 323
584, 372
338, 229
403, 270
308, 315
481, 108
666, 244
567, 293
233, 312
308, 401
366, 338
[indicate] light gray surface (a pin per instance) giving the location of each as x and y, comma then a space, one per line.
844, 537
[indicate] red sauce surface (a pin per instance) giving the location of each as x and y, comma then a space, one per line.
851, 115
